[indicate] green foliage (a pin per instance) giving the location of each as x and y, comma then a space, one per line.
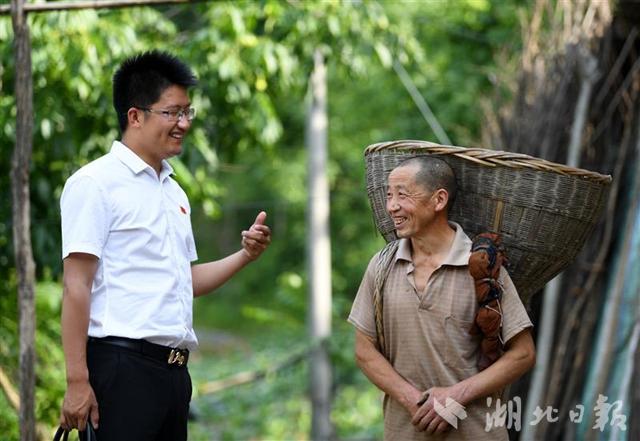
8, 421
50, 374
277, 407
8, 360
246, 153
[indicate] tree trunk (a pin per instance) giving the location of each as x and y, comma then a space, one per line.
319, 254
21, 220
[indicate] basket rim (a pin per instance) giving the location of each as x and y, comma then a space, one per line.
489, 158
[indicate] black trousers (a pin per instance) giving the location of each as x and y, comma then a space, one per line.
139, 398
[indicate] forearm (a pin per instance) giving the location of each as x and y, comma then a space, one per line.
207, 277
517, 360
380, 372
75, 323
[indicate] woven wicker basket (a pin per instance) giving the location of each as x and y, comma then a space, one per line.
544, 211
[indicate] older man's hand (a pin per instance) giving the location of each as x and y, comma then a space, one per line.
426, 419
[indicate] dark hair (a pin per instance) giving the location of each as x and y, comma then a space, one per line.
142, 78
433, 174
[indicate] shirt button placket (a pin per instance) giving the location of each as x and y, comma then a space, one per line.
173, 240
171, 232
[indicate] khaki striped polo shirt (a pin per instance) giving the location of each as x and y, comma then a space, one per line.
427, 333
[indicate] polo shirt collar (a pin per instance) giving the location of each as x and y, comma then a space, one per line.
460, 248
458, 254
404, 250
135, 162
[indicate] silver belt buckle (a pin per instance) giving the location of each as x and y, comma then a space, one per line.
176, 357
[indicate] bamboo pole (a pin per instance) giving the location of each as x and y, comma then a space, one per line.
90, 4
634, 397
599, 372
421, 103
581, 319
614, 71
589, 75
625, 392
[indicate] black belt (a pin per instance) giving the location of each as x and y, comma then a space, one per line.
166, 354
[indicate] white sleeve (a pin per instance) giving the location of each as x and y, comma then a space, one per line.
85, 217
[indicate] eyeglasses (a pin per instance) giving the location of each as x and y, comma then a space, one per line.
173, 115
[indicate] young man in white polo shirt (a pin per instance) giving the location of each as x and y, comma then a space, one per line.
128, 280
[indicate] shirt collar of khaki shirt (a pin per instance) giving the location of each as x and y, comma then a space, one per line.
458, 254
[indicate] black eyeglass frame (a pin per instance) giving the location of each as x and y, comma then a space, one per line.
172, 115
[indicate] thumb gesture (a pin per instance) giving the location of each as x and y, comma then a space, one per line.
260, 218
257, 238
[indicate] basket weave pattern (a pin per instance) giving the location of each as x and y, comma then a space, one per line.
544, 211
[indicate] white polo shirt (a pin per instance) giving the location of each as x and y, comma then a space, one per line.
139, 226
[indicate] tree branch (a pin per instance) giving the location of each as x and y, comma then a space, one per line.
9, 390
90, 4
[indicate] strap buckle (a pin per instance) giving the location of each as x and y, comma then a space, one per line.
176, 356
